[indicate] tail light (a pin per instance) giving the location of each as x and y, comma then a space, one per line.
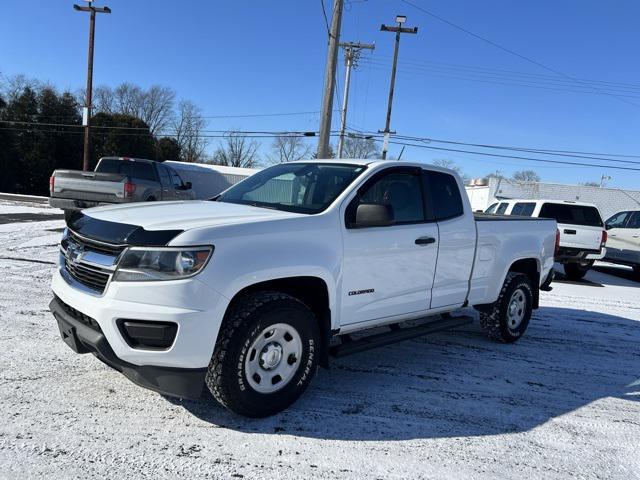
604, 238
557, 248
52, 184
129, 189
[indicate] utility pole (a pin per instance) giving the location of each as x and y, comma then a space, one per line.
86, 113
400, 20
351, 55
330, 80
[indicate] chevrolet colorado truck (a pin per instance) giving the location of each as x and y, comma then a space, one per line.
116, 180
247, 294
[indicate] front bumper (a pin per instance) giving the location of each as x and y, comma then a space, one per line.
195, 308
82, 338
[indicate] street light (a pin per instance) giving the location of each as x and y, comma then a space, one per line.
401, 19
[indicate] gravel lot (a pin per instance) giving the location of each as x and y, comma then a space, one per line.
564, 402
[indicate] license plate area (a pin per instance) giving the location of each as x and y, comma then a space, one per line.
70, 337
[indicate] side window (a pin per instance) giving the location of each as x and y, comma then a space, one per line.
618, 220
445, 195
143, 171
400, 190
165, 179
502, 208
634, 220
491, 208
175, 179
524, 209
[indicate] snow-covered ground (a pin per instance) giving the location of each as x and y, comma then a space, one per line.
564, 402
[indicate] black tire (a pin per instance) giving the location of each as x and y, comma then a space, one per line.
151, 199
494, 319
227, 376
68, 214
575, 271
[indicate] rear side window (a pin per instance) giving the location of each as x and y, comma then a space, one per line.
523, 209
572, 214
445, 195
502, 208
164, 176
143, 171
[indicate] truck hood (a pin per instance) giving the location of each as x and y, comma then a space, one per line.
184, 215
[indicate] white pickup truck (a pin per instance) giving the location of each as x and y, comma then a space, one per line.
249, 293
582, 234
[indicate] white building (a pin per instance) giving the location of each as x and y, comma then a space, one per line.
608, 200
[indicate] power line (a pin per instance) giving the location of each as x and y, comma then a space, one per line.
514, 157
538, 76
507, 82
512, 52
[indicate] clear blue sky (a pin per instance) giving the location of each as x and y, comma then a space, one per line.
256, 57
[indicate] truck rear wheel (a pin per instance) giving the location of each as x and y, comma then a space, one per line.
265, 356
507, 318
575, 271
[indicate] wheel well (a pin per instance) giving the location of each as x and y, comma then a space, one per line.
529, 267
312, 291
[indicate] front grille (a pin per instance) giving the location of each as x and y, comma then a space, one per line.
77, 315
93, 277
96, 246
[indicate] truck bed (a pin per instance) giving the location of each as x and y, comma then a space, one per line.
89, 186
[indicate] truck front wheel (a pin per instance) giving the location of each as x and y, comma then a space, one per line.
507, 318
266, 354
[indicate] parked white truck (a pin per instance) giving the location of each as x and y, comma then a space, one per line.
249, 293
582, 233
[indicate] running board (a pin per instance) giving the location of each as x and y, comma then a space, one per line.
349, 346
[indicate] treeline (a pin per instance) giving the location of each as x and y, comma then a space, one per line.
41, 130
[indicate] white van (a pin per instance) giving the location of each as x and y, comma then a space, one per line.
582, 233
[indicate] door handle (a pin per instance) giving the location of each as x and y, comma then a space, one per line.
425, 240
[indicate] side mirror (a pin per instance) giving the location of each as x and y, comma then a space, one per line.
188, 186
374, 215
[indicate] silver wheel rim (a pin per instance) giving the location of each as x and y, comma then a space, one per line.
516, 309
273, 358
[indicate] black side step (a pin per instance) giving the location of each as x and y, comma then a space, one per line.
398, 334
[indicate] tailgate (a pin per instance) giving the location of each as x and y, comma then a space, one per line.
90, 186
580, 236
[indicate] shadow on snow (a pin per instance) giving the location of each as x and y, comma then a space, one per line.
459, 383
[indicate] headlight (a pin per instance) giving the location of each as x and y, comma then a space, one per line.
152, 264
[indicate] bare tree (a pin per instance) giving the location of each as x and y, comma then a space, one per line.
288, 148
14, 86
157, 108
187, 129
360, 147
103, 99
236, 151
526, 176
128, 99
590, 184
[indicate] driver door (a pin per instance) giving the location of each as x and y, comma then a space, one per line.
388, 271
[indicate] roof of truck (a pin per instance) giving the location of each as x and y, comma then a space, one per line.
543, 200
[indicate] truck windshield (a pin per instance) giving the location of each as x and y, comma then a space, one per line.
294, 187
572, 214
